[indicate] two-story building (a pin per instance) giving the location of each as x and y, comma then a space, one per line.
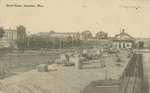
13, 37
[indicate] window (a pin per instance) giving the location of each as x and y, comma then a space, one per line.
119, 45
123, 44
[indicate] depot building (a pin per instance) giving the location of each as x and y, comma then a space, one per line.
123, 40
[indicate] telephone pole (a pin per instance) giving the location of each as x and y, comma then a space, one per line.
72, 41
60, 43
53, 42
28, 40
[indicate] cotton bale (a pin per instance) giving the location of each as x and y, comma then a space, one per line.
64, 62
71, 60
118, 59
76, 54
42, 68
62, 56
90, 55
58, 61
82, 58
70, 54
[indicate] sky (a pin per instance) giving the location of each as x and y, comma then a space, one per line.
78, 15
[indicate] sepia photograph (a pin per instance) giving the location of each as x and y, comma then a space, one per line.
74, 46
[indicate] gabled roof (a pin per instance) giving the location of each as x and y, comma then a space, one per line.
124, 36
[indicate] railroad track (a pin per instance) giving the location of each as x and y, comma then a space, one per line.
132, 77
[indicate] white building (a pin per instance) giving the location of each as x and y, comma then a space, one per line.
12, 37
123, 40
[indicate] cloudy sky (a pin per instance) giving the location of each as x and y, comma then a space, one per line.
79, 15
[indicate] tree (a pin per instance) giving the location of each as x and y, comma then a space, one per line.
101, 35
51, 32
1, 32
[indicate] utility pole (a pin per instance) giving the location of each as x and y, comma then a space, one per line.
28, 40
120, 39
60, 43
72, 41
11, 45
53, 42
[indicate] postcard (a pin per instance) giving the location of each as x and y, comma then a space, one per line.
74, 46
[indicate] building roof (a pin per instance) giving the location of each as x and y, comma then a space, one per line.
65, 33
124, 36
10, 30
45, 33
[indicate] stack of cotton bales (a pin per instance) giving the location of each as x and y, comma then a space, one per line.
58, 61
69, 54
83, 59
42, 68
64, 60
90, 55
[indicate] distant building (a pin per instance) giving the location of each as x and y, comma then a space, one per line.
123, 40
85, 35
15, 34
75, 35
145, 41
43, 34
12, 37
10, 34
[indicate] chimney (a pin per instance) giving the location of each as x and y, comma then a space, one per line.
122, 30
